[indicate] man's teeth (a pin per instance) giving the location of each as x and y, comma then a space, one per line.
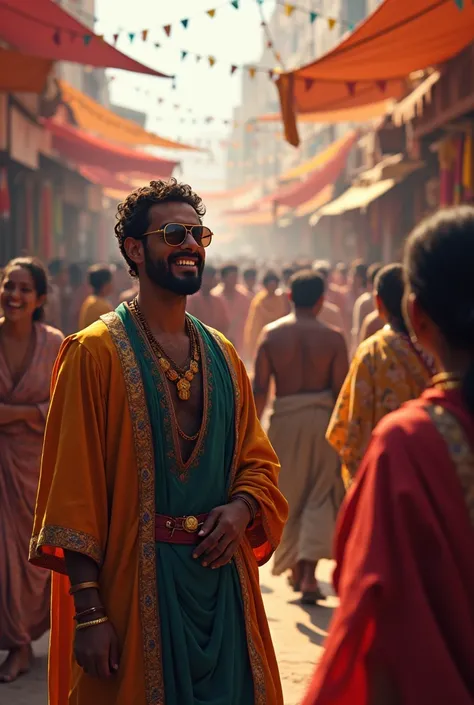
185, 263
12, 305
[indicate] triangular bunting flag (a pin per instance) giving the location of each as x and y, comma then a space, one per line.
308, 84
382, 85
351, 86
198, 58
331, 22
459, 4
87, 39
101, 37
277, 56
160, 100
269, 44
167, 29
351, 26
211, 13
157, 45
271, 75
57, 37
252, 72
183, 55
116, 36
145, 34
131, 36
313, 16
185, 23
289, 9
211, 60
235, 3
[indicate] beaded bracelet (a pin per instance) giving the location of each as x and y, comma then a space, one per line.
92, 623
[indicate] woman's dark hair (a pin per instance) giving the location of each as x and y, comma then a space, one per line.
307, 287
133, 213
389, 286
39, 276
439, 264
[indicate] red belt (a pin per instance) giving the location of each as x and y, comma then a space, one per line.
183, 530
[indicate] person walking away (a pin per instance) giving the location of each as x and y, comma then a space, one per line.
237, 300
207, 307
404, 631
54, 312
97, 304
28, 349
268, 305
387, 370
308, 362
249, 276
158, 495
364, 305
80, 289
330, 314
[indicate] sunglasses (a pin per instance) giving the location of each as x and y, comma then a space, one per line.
174, 234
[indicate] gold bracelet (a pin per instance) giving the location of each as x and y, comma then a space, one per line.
92, 623
83, 586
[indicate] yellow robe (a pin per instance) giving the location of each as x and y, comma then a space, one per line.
386, 372
96, 496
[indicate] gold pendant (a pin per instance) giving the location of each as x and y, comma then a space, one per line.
172, 375
183, 385
189, 376
194, 367
184, 394
164, 364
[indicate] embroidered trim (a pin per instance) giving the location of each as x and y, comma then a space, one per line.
256, 664
150, 619
68, 540
459, 449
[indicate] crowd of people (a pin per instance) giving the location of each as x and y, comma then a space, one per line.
364, 374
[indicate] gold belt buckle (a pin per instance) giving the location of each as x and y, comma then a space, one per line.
190, 524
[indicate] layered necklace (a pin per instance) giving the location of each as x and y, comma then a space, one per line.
181, 376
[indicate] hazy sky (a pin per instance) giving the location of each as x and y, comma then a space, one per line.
232, 37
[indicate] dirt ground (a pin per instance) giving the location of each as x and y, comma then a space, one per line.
298, 633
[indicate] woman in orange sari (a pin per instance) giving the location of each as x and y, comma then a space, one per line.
404, 631
27, 353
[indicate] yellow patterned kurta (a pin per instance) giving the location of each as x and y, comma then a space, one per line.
386, 372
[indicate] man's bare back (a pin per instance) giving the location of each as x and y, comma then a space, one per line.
302, 355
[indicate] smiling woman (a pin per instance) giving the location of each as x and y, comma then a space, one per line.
27, 353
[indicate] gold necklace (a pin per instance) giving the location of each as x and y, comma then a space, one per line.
180, 375
446, 380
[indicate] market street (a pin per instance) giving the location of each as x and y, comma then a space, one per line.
297, 633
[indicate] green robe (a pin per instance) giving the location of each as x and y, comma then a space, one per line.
204, 643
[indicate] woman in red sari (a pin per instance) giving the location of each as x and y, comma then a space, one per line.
404, 631
27, 353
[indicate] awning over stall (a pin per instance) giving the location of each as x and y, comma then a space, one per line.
25, 74
376, 60
357, 197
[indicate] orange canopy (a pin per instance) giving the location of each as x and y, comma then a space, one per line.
22, 73
362, 113
400, 37
94, 117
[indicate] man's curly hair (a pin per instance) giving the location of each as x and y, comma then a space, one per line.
133, 213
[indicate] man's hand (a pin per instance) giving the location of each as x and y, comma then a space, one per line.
97, 650
222, 533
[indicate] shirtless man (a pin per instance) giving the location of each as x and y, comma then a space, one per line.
308, 362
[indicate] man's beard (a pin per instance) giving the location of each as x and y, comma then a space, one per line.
159, 271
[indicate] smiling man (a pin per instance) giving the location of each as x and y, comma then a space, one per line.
158, 495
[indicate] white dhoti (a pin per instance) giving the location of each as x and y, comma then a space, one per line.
310, 477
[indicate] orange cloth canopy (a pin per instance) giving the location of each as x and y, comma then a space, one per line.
361, 113
22, 73
95, 117
374, 62
42, 28
88, 150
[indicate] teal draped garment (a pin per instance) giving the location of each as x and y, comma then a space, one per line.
204, 643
